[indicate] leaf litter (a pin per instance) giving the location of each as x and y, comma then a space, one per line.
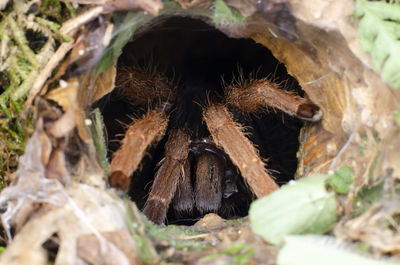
45, 201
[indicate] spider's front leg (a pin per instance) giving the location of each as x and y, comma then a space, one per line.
254, 95
168, 176
183, 200
208, 186
137, 86
142, 133
211, 172
228, 135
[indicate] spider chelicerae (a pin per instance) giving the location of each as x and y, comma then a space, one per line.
206, 150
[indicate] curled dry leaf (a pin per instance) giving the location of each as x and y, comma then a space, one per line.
105, 83
77, 215
30, 184
38, 207
88, 49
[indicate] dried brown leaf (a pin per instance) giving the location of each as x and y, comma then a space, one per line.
89, 247
63, 126
76, 215
89, 47
105, 83
194, 3
377, 227
65, 94
57, 167
46, 72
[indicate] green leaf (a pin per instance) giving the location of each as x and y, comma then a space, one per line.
366, 198
379, 35
97, 130
224, 14
317, 250
300, 207
239, 252
341, 180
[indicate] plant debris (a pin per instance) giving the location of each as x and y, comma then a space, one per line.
57, 58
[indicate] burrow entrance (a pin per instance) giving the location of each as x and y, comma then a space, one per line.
186, 49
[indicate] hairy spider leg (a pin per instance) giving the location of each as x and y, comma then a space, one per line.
254, 95
141, 134
229, 136
208, 186
168, 176
183, 201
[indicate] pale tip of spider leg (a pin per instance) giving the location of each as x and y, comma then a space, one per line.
155, 211
119, 180
309, 112
317, 116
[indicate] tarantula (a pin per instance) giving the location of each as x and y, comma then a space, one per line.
199, 166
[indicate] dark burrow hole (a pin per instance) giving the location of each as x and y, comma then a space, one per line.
190, 51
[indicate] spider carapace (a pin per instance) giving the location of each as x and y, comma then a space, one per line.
206, 151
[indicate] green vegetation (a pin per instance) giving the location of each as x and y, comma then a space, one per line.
379, 35
301, 207
342, 179
29, 34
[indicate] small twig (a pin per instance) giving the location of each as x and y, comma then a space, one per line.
72, 25
151, 6
191, 237
341, 152
46, 72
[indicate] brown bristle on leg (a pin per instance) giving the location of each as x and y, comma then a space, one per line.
228, 135
183, 201
208, 186
254, 95
142, 133
167, 177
